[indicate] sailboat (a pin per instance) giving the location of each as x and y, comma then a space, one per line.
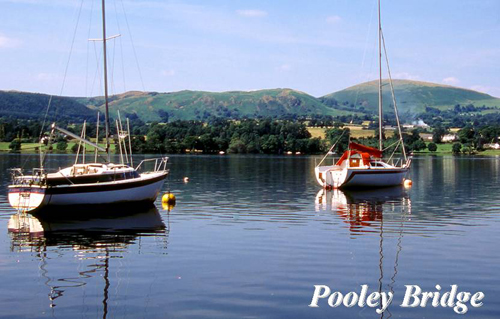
90, 183
362, 166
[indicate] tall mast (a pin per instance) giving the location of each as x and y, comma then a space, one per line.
379, 80
105, 78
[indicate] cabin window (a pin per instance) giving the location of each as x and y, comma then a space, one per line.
354, 162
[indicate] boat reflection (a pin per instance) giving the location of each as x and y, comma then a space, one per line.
93, 242
375, 211
363, 209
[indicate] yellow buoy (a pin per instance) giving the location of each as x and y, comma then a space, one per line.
168, 207
168, 199
408, 183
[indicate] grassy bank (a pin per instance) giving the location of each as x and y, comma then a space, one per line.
31, 148
446, 149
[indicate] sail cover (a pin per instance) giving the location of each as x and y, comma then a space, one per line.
366, 149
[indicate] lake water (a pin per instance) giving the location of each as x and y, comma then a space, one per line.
251, 236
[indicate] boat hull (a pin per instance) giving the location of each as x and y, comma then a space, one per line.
360, 177
366, 178
26, 198
143, 189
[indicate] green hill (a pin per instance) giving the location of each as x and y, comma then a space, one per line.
33, 105
412, 99
190, 105
411, 96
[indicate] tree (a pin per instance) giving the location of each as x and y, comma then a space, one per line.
62, 145
340, 137
438, 133
15, 145
457, 147
237, 146
418, 145
432, 147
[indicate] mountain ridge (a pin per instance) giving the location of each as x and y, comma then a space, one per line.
413, 97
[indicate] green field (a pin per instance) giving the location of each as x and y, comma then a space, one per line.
446, 149
30, 147
356, 132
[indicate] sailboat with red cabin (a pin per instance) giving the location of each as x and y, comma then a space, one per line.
362, 166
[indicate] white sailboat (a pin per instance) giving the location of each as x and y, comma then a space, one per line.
90, 183
362, 166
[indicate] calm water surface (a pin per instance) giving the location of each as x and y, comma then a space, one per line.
250, 236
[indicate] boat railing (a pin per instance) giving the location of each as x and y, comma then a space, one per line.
323, 161
160, 164
396, 162
38, 177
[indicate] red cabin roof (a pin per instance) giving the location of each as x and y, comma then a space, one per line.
365, 151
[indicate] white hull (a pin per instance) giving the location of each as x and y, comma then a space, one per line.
336, 177
143, 189
27, 198
136, 194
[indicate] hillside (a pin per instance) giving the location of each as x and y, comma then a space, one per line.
189, 105
33, 105
412, 97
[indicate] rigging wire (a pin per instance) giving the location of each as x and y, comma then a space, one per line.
97, 71
65, 71
121, 47
113, 90
393, 98
88, 44
367, 38
133, 46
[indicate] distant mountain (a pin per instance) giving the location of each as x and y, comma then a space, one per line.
411, 97
33, 105
190, 105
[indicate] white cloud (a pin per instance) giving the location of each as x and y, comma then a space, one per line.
493, 91
7, 43
451, 80
46, 76
406, 76
480, 88
284, 67
333, 19
168, 72
252, 13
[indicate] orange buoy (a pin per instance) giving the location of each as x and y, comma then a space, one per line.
408, 183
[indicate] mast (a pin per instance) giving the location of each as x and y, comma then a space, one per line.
379, 80
105, 79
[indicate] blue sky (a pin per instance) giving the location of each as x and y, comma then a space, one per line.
313, 46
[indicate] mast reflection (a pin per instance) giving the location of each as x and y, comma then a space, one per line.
94, 242
372, 211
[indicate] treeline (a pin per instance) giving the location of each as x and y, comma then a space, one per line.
474, 139
243, 137
460, 116
251, 136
